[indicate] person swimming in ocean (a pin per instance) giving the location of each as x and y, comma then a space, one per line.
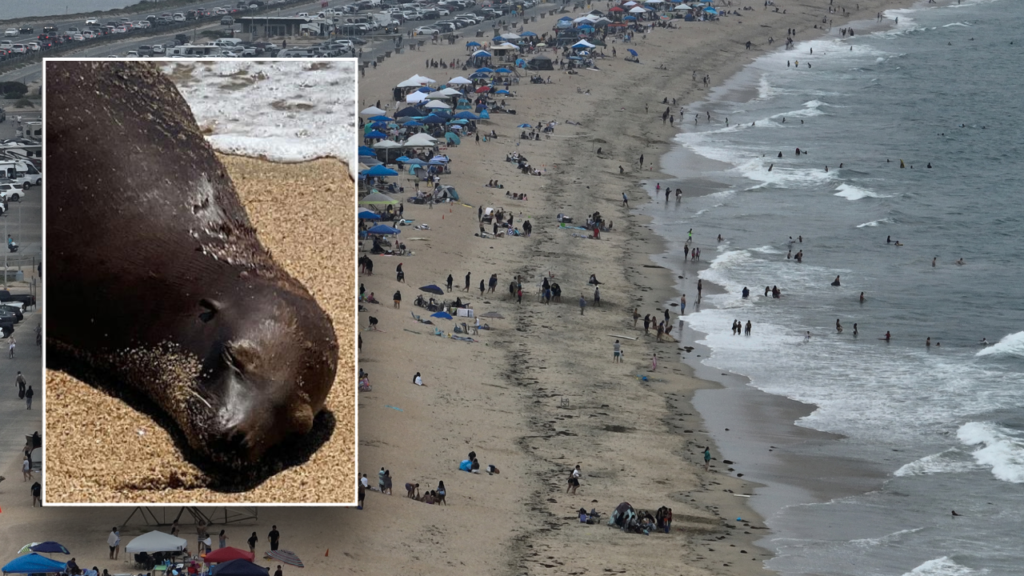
855, 329
836, 281
960, 262
746, 292
839, 327
887, 336
984, 342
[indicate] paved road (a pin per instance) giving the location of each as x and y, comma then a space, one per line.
24, 221
376, 44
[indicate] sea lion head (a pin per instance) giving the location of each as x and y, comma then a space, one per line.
273, 369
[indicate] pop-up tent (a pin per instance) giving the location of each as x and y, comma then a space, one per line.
227, 554
33, 564
239, 568
156, 541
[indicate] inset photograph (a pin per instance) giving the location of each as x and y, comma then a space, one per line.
200, 253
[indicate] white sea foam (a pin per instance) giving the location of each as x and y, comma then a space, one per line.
887, 539
283, 111
1010, 345
873, 223
1000, 450
947, 462
851, 192
943, 567
965, 24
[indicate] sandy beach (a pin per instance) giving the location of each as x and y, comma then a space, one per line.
539, 392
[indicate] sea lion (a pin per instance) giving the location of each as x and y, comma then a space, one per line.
159, 281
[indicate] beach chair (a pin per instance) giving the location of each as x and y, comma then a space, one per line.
438, 332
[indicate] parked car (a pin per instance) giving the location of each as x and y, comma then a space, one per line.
10, 191
426, 31
158, 49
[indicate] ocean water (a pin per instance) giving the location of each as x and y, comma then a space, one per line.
944, 424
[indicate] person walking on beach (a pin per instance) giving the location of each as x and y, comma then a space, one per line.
616, 352
26, 470
398, 299
707, 458
482, 287
700, 287
583, 304
647, 323
222, 539
654, 362
275, 537
636, 316
450, 280
467, 281
682, 305
114, 541
28, 397
625, 200
597, 296
252, 542
746, 331
20, 382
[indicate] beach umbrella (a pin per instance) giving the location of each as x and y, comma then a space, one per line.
503, 92
492, 314
416, 162
616, 9
376, 134
511, 36
372, 111
710, 10
366, 151
451, 92
383, 229
380, 118
380, 170
156, 541
425, 89
49, 548
528, 34
481, 54
33, 564
374, 198
484, 70
27, 548
503, 71
483, 89
367, 215
239, 567
633, 52
286, 557
227, 554
472, 44
433, 119
466, 115
630, 18
387, 144
407, 112
432, 288
459, 80
441, 314
413, 124
524, 126
368, 162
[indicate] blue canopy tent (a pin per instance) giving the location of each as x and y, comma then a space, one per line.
367, 151
466, 115
239, 567
368, 215
410, 111
481, 54
503, 71
376, 134
380, 119
380, 170
383, 229
413, 124
33, 564
472, 44
415, 162
433, 119
528, 34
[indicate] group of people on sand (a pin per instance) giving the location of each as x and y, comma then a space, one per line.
430, 496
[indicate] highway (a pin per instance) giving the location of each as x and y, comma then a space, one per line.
376, 44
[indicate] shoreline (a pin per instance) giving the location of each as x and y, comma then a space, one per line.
730, 403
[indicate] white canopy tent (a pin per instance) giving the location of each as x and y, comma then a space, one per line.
505, 46
637, 10
420, 141
373, 111
156, 541
451, 92
511, 36
410, 83
434, 104
415, 97
387, 144
439, 95
459, 80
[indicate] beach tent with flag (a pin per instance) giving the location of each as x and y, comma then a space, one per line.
33, 564
239, 567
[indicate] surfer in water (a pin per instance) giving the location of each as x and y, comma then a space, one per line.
839, 327
984, 342
854, 328
836, 281
887, 336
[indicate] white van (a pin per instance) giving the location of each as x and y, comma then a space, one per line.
21, 172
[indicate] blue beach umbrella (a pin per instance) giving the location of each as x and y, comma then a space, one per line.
413, 124
481, 54
472, 44
484, 70
503, 92
383, 229
528, 34
368, 215
380, 170
369, 161
466, 115
433, 119
402, 158
633, 52
524, 126
441, 314
432, 289
367, 151
415, 162
380, 119
410, 111
630, 18
425, 89
503, 71
376, 134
